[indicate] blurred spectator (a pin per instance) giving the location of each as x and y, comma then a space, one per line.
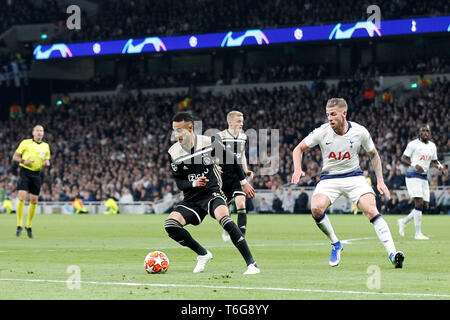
443, 202
432, 205
264, 207
392, 205
277, 205
381, 204
404, 205
150, 209
249, 204
301, 203
396, 179
288, 201
126, 196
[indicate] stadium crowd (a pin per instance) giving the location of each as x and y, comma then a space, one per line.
124, 18
116, 145
136, 78
14, 70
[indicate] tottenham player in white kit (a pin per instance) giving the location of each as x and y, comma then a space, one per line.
419, 155
340, 141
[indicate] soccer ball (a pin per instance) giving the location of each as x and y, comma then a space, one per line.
156, 262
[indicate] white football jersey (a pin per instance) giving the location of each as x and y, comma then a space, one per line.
421, 153
340, 153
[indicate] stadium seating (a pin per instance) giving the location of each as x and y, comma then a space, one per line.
105, 144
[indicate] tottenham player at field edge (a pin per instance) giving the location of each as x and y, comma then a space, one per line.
194, 168
419, 155
340, 141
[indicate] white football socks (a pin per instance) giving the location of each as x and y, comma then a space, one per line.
415, 214
324, 224
418, 220
383, 233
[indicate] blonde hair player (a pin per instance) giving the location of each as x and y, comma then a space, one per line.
340, 141
235, 140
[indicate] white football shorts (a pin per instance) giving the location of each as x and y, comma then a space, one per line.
351, 187
418, 188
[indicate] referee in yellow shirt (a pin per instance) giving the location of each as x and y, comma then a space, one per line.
32, 155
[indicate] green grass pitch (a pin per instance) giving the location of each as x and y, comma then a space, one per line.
292, 253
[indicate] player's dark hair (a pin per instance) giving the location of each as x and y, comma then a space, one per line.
37, 124
419, 127
423, 125
183, 116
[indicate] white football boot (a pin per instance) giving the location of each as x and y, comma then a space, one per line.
421, 236
202, 261
252, 269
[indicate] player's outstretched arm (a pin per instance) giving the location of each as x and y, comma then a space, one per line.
376, 164
297, 155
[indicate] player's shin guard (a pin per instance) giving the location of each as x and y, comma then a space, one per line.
324, 224
383, 233
20, 207
237, 238
242, 220
182, 236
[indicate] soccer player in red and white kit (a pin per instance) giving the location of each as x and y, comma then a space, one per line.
419, 155
340, 141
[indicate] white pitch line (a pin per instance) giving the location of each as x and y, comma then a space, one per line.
350, 241
133, 284
345, 241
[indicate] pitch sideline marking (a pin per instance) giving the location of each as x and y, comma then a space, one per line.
238, 288
345, 241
